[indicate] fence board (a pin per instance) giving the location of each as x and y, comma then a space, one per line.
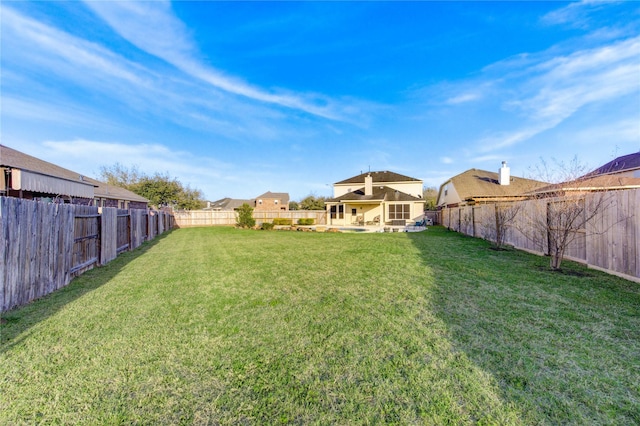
636, 231
109, 241
228, 218
610, 241
43, 245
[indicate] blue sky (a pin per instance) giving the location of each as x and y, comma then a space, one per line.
240, 98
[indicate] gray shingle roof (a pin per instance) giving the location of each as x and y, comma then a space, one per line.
104, 190
228, 204
379, 177
10, 157
379, 194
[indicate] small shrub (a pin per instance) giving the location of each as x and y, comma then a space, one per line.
245, 217
281, 221
266, 226
306, 221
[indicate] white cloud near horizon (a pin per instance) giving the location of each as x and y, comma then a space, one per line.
205, 173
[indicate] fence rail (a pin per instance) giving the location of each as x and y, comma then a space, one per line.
610, 240
44, 245
228, 218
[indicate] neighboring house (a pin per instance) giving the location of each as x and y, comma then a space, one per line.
106, 195
227, 204
624, 166
375, 198
271, 201
480, 186
24, 176
618, 174
612, 182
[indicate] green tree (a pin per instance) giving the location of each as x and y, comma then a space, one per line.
430, 196
160, 189
312, 202
245, 216
293, 205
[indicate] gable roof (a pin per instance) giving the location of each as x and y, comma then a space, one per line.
379, 194
275, 195
476, 183
379, 177
619, 164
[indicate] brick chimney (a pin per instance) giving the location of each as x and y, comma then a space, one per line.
368, 185
504, 174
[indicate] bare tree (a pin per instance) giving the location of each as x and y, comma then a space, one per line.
565, 208
505, 215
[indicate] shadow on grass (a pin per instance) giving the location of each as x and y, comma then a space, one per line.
561, 346
19, 320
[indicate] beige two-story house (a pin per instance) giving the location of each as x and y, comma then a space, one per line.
375, 198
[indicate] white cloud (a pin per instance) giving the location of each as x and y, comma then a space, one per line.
552, 90
216, 178
64, 54
446, 160
576, 14
463, 98
152, 27
87, 157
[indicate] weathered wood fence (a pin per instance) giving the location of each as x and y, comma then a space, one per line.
610, 241
228, 218
44, 245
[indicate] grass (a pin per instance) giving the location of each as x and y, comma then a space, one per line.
225, 326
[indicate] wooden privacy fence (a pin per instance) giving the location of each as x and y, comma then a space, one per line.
228, 218
610, 240
44, 245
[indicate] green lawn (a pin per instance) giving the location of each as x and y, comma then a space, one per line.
225, 326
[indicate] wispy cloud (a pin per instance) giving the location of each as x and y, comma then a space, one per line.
80, 64
154, 28
463, 98
206, 173
65, 54
553, 89
89, 156
576, 14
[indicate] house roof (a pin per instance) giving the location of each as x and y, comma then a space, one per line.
476, 183
228, 204
12, 158
620, 164
596, 183
275, 195
379, 194
378, 177
104, 190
